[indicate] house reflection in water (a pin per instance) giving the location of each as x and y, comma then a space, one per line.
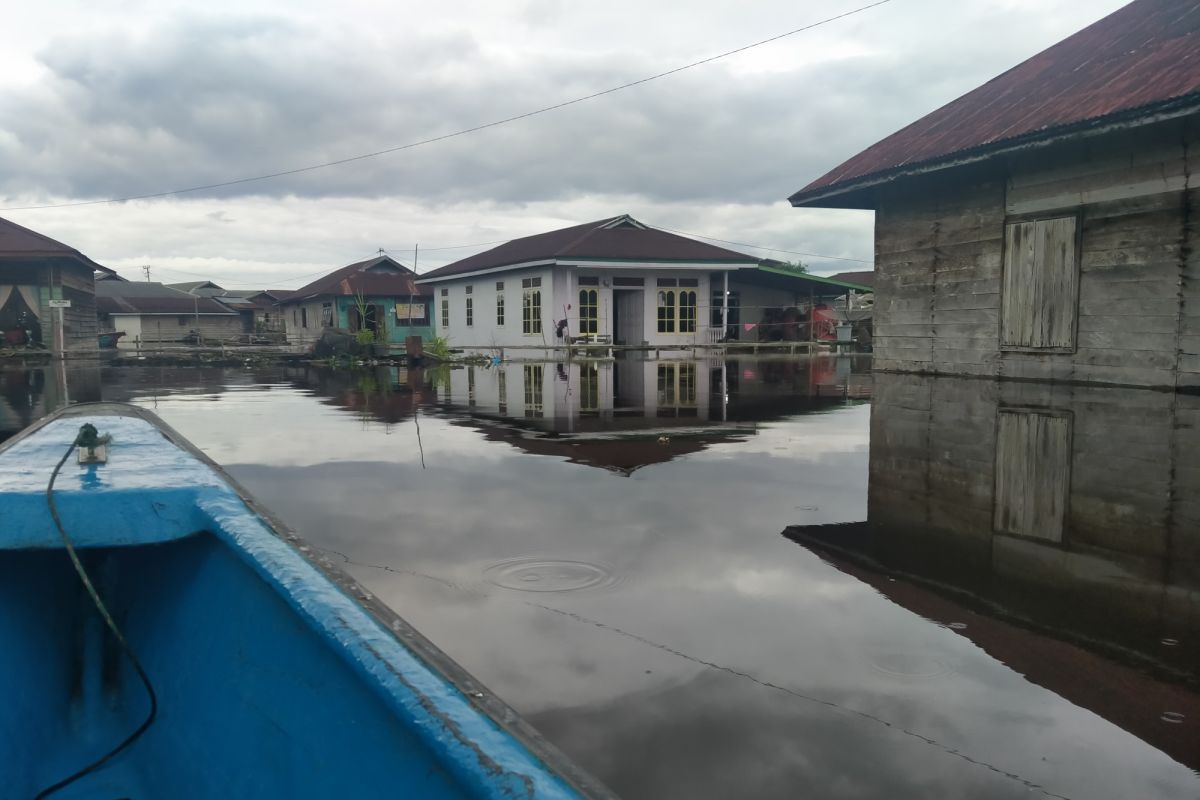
1061, 523
628, 413
29, 393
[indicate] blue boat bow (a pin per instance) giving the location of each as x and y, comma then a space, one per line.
277, 674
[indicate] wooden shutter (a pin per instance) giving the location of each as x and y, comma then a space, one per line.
1033, 473
1041, 284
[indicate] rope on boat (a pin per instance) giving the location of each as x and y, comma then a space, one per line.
88, 438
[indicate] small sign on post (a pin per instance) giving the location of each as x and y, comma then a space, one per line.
60, 303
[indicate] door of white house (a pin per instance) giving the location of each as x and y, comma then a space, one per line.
629, 316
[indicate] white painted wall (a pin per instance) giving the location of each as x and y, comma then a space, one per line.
131, 324
485, 333
560, 298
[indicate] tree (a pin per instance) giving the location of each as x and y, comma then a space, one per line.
791, 266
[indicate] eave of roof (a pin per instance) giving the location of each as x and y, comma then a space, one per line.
804, 276
1136, 66
853, 193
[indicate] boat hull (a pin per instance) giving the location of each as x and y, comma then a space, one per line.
277, 675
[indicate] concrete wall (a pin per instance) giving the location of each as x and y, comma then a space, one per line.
940, 253
1122, 536
484, 332
153, 329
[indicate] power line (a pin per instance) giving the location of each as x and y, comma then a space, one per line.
174, 271
464, 131
763, 247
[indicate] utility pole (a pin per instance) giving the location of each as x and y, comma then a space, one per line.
146, 269
196, 312
416, 252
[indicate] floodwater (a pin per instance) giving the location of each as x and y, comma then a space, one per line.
754, 578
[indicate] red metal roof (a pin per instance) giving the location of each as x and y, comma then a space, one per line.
1132, 63
379, 276
17, 241
617, 238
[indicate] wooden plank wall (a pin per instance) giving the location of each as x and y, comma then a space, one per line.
939, 251
1127, 476
1033, 473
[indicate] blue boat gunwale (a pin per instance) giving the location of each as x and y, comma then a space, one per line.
478, 696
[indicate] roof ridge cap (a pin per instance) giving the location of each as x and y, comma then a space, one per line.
599, 226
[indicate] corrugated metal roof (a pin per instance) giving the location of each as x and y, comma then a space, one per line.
17, 241
864, 278
1136, 62
370, 277
618, 238
148, 297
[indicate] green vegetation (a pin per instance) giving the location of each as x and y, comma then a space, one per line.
438, 347
791, 266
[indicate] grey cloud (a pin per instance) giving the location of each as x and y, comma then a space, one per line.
203, 101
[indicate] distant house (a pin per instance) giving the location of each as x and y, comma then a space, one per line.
393, 306
36, 271
202, 288
862, 277
615, 280
259, 308
1043, 225
262, 305
151, 314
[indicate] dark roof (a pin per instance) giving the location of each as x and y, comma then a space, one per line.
769, 273
259, 298
17, 241
145, 297
618, 238
864, 278
1138, 63
189, 286
379, 276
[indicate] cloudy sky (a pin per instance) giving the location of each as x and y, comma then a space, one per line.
115, 98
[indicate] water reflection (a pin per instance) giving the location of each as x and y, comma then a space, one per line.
630, 413
27, 394
634, 599
1058, 527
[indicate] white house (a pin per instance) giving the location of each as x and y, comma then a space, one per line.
618, 281
615, 280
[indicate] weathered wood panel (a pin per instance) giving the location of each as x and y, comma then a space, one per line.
1041, 284
1033, 468
943, 247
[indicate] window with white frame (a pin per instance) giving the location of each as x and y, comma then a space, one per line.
687, 310
534, 373
531, 306
666, 310
589, 310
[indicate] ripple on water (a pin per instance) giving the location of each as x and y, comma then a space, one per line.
548, 575
911, 665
